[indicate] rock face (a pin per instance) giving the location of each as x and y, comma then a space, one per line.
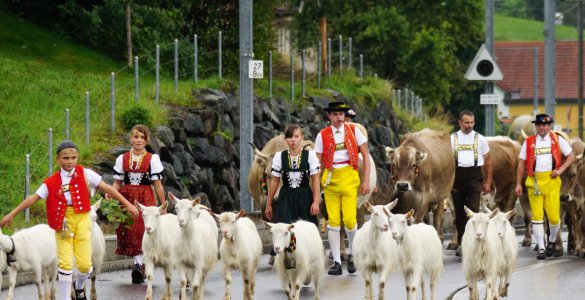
199, 146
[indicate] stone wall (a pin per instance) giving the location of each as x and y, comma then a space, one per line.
199, 147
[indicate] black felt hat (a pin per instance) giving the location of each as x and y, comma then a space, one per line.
337, 106
543, 119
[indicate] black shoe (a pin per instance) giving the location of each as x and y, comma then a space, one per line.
80, 294
335, 269
350, 264
550, 248
541, 254
459, 252
138, 273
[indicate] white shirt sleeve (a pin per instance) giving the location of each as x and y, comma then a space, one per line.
119, 168
565, 147
360, 138
314, 166
93, 177
522, 154
156, 168
452, 137
319, 143
277, 164
43, 191
484, 147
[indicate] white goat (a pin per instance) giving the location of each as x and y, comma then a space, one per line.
374, 250
241, 248
159, 244
304, 240
420, 251
200, 211
507, 236
482, 254
35, 249
195, 254
98, 247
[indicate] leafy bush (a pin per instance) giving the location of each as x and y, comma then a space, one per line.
115, 213
136, 115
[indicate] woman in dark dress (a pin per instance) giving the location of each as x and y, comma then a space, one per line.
300, 194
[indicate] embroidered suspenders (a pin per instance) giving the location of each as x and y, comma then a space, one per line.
466, 147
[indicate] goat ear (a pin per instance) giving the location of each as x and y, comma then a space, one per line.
197, 201
205, 207
409, 214
468, 211
494, 213
138, 205
215, 216
368, 206
291, 226
240, 214
268, 224
173, 198
386, 211
391, 205
164, 206
510, 214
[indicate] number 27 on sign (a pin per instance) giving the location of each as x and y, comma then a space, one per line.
255, 69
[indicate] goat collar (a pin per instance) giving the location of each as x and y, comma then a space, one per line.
10, 255
292, 245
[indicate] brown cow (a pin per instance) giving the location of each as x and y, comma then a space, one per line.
504, 157
423, 173
521, 124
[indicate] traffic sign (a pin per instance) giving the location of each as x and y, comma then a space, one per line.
484, 67
489, 99
255, 69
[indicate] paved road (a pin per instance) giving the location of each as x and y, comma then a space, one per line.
557, 278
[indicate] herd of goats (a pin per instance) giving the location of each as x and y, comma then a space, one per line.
396, 237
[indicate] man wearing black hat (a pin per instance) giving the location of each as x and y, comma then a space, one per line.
337, 148
541, 157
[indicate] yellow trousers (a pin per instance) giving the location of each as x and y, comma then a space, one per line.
75, 243
341, 196
549, 199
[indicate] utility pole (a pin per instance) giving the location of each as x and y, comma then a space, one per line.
246, 103
489, 85
550, 8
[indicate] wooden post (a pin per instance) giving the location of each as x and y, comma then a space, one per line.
323, 28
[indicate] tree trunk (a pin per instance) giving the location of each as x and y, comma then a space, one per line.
323, 28
129, 33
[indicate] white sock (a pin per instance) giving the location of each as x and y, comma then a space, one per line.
64, 285
538, 230
554, 230
139, 259
334, 243
350, 237
81, 278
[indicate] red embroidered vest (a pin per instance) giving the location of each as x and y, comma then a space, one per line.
57, 203
144, 163
530, 158
329, 146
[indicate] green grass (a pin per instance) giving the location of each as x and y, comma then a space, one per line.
514, 29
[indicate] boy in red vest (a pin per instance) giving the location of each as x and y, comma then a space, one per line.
541, 157
337, 148
68, 192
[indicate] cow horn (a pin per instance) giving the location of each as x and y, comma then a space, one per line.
524, 135
258, 152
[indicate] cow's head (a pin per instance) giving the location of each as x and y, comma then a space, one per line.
263, 163
406, 163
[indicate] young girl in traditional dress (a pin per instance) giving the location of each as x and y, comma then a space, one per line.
136, 172
300, 194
